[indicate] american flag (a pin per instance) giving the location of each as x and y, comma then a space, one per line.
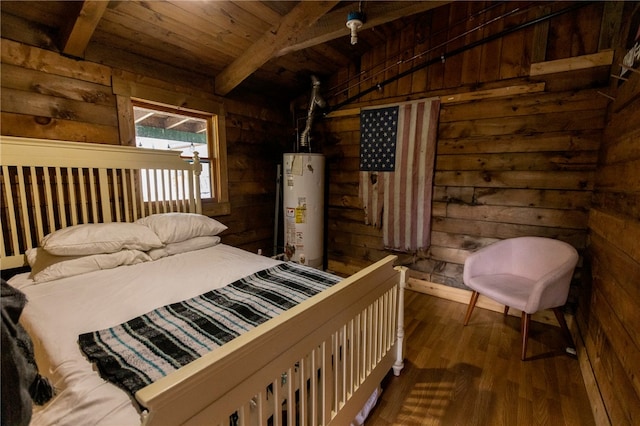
397, 151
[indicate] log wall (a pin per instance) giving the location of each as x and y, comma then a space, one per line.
46, 95
525, 147
516, 154
610, 325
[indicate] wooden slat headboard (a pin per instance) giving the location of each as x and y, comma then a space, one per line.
50, 184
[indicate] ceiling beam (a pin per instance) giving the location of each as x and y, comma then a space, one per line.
302, 17
333, 25
76, 36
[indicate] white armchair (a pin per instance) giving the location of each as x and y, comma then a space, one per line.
527, 273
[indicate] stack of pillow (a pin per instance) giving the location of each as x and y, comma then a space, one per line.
84, 248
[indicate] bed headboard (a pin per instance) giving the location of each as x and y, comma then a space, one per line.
50, 184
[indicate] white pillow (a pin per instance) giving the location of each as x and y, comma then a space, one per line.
196, 243
177, 227
97, 238
47, 267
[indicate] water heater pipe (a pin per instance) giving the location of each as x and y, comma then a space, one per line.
277, 212
316, 99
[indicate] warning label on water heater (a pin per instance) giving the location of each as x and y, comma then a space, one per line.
294, 237
301, 214
301, 210
290, 225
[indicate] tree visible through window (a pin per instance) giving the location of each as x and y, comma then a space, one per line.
167, 128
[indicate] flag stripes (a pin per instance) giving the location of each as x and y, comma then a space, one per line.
400, 201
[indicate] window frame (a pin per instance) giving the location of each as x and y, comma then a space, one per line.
208, 161
130, 93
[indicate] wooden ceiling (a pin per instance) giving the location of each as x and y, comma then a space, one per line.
270, 48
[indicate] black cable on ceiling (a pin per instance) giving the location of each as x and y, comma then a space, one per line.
455, 52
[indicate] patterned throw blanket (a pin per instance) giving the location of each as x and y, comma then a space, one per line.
144, 349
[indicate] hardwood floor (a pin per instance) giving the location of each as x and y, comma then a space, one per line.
473, 375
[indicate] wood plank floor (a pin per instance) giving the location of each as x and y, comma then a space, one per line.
473, 375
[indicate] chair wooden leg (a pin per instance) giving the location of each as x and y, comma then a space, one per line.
472, 304
565, 329
524, 325
506, 311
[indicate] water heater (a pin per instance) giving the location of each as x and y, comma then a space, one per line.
303, 202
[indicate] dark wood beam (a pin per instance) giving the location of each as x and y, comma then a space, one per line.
302, 17
333, 25
76, 36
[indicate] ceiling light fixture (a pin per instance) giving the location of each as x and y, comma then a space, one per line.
354, 23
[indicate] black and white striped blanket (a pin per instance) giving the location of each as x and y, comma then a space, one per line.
144, 349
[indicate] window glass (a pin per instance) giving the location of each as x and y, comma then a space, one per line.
162, 128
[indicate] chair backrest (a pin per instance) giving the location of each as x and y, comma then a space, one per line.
534, 257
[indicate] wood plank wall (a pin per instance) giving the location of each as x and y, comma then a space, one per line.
610, 327
511, 165
46, 95
506, 165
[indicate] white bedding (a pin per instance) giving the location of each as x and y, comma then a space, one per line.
58, 311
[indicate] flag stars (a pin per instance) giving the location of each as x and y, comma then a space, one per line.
378, 130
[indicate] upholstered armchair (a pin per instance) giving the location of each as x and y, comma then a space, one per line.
527, 273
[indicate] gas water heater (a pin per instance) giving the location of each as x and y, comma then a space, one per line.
303, 202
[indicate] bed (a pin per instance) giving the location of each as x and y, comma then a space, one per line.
318, 362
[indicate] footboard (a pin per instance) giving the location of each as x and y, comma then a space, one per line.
317, 363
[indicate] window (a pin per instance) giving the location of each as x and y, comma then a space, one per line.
166, 116
185, 132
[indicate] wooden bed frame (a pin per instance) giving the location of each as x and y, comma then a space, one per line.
72, 183
318, 363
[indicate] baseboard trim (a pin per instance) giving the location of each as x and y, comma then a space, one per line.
591, 384
462, 296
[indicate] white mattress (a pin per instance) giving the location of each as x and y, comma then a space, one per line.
58, 311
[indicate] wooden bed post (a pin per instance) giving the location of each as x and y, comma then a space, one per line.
197, 170
399, 364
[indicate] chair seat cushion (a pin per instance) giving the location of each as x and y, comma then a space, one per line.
510, 290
